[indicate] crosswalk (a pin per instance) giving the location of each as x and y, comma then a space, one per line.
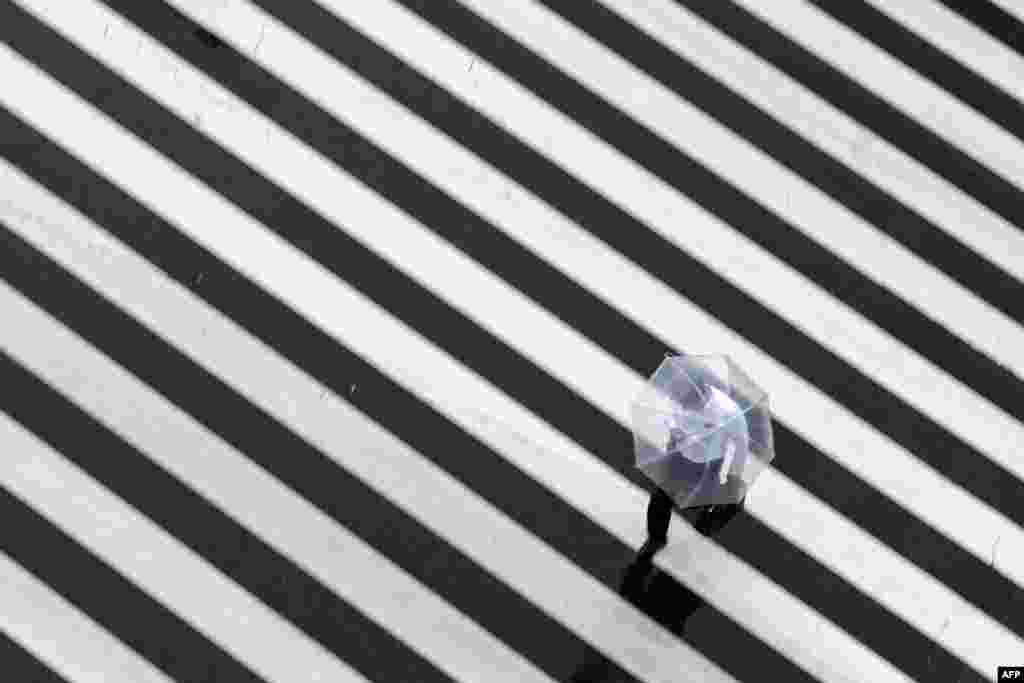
321, 320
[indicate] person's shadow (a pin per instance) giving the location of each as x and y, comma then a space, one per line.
656, 594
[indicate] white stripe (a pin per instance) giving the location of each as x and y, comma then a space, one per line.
57, 633
247, 493
157, 562
960, 39
892, 80
571, 346
829, 128
752, 600
512, 554
445, 270
570, 248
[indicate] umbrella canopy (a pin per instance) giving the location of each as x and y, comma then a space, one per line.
702, 430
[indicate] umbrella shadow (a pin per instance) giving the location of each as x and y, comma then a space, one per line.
655, 593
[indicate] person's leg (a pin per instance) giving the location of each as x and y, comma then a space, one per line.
659, 514
715, 517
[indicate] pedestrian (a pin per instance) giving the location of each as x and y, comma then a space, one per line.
702, 433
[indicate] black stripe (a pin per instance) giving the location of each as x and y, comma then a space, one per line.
198, 523
632, 345
108, 598
860, 196
929, 61
504, 485
897, 128
21, 665
993, 19
471, 343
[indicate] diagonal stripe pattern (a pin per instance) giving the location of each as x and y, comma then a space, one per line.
321, 322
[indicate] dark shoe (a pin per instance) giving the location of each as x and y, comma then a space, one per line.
651, 546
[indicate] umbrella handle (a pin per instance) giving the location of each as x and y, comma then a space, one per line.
723, 472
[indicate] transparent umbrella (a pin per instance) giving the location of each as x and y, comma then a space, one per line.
702, 430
